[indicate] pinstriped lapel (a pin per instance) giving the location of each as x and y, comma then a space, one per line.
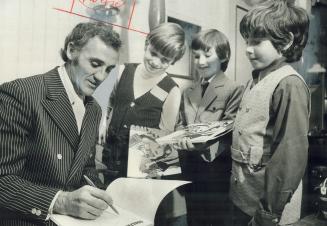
88, 138
58, 107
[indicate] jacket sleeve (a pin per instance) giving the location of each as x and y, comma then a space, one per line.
232, 103
284, 171
17, 194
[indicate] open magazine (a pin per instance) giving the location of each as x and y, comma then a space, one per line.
136, 200
149, 159
153, 153
199, 132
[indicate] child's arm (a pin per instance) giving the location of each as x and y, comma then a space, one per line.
290, 106
170, 110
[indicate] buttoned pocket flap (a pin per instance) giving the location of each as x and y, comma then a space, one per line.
216, 106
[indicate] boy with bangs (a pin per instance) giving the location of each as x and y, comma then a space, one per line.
270, 145
145, 96
212, 97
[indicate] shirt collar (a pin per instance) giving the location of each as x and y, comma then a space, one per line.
68, 85
210, 79
258, 75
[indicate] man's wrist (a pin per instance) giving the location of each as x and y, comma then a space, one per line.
50, 211
60, 203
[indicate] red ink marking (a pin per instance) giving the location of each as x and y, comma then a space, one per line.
130, 18
114, 3
72, 6
107, 3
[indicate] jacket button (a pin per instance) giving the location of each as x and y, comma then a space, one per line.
132, 104
59, 156
33, 211
38, 212
125, 126
275, 220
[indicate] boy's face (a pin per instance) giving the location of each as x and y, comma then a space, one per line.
154, 62
91, 65
207, 63
261, 53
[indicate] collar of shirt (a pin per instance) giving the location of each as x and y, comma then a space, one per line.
75, 101
208, 80
257, 75
205, 83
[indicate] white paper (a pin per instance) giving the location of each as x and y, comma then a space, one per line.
136, 200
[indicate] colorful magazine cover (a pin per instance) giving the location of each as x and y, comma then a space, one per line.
147, 158
199, 132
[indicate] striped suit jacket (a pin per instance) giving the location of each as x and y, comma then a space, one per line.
41, 151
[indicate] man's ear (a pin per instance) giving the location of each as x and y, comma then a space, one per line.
289, 44
71, 51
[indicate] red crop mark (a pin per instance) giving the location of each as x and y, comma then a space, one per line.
91, 3
130, 18
72, 6
108, 3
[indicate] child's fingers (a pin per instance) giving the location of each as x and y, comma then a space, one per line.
189, 144
186, 144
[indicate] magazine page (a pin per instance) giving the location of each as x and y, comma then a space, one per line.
141, 196
136, 200
125, 218
147, 158
198, 132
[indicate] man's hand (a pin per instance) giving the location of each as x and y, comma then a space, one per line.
87, 202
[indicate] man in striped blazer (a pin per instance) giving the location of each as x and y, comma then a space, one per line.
48, 130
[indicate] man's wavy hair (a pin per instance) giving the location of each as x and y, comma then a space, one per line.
83, 32
277, 21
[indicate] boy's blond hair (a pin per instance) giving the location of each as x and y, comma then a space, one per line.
169, 40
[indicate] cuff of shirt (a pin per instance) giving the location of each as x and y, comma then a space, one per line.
50, 211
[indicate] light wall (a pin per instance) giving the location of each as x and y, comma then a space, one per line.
33, 32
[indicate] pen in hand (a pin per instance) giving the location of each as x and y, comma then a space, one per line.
88, 180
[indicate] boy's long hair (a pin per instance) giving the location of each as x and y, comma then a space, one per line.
169, 40
275, 20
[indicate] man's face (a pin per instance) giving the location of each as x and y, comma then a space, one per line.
207, 63
91, 65
154, 62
